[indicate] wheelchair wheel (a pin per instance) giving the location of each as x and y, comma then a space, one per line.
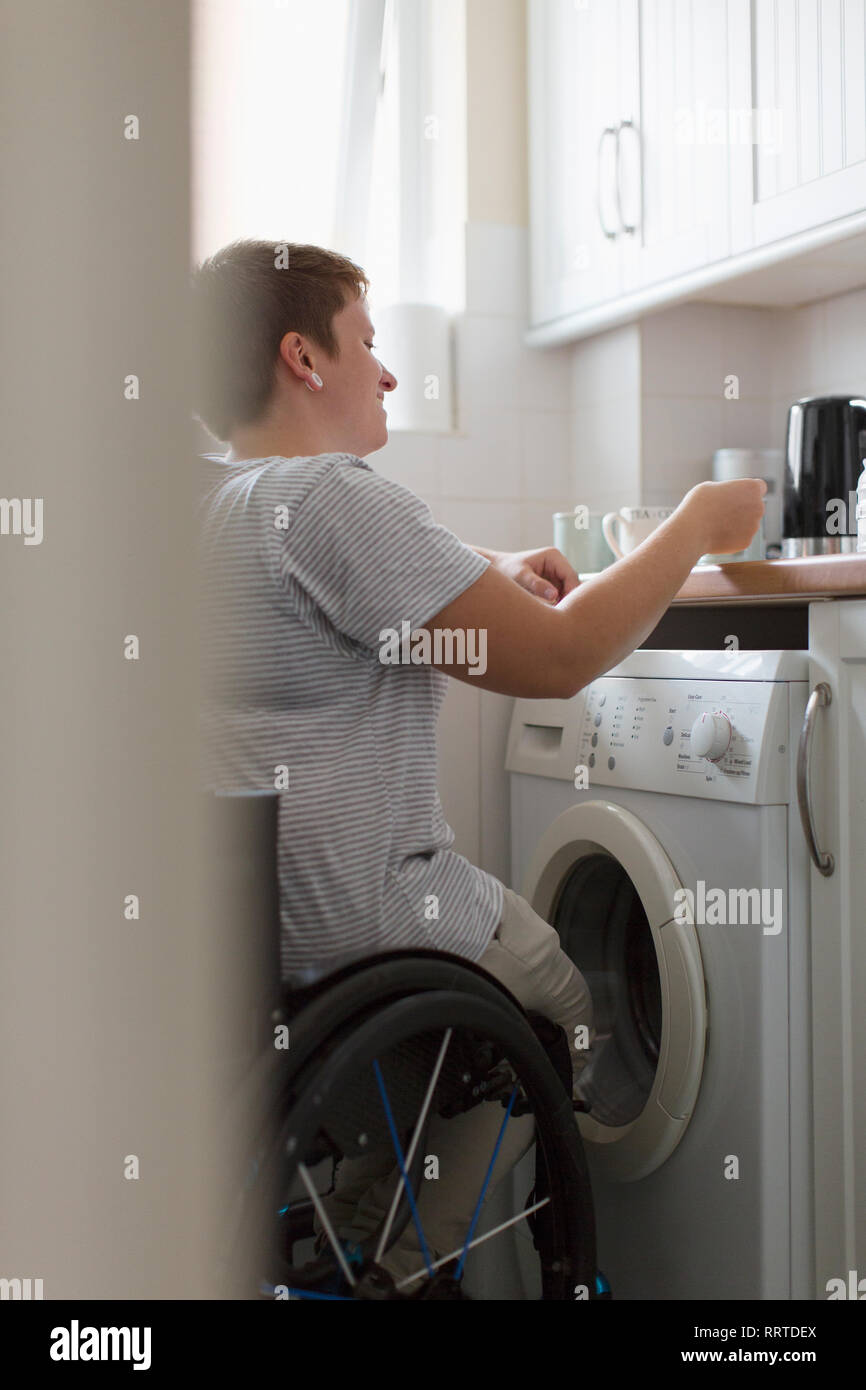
374, 1061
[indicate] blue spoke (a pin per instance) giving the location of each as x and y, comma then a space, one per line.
399, 1152
270, 1290
458, 1272
330, 1297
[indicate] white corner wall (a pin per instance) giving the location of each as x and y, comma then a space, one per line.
108, 1038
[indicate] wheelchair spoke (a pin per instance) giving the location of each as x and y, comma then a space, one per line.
328, 1297
380, 1080
414, 1144
487, 1176
479, 1240
421, 1038
323, 1217
269, 1290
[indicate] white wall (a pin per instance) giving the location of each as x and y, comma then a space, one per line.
109, 1031
819, 350
777, 355
688, 354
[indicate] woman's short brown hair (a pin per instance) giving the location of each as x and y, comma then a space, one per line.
247, 297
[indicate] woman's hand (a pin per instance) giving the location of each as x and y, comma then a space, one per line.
545, 573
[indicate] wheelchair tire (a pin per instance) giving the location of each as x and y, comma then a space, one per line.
293, 1101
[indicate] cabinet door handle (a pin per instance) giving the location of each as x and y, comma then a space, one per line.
628, 228
608, 130
823, 861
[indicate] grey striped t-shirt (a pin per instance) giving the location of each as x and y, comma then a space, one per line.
305, 561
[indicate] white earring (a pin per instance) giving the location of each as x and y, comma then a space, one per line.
317, 379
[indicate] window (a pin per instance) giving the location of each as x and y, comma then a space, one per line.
409, 213
343, 123
268, 82
414, 218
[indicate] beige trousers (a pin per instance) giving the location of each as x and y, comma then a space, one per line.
525, 955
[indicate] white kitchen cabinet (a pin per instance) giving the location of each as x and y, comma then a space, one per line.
628, 179
803, 73
574, 98
677, 50
682, 146
837, 657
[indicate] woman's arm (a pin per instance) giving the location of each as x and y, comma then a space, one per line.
537, 650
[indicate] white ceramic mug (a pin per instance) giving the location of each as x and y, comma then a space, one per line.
624, 530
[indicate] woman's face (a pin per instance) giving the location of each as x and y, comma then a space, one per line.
355, 382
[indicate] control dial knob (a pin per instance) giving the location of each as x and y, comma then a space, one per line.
711, 736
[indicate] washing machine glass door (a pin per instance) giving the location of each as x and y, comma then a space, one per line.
604, 881
604, 929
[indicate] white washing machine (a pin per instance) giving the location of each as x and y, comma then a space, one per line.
671, 776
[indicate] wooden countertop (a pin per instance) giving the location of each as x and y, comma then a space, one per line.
776, 581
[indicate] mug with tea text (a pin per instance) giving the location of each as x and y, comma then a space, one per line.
624, 530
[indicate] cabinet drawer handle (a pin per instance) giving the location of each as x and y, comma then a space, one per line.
608, 130
628, 227
823, 861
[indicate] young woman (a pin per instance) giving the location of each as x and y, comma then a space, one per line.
313, 561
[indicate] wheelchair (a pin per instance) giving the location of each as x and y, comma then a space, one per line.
358, 1066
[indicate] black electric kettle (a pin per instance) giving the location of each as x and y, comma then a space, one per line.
825, 449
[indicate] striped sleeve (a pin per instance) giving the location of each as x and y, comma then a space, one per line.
369, 553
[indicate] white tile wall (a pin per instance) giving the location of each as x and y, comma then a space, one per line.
547, 473
691, 349
606, 367
821, 350
491, 524
706, 378
605, 445
497, 280
678, 436
606, 454
486, 462
410, 459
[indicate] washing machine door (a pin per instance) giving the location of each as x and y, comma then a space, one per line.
603, 880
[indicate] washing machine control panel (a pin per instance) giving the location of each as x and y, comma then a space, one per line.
722, 739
